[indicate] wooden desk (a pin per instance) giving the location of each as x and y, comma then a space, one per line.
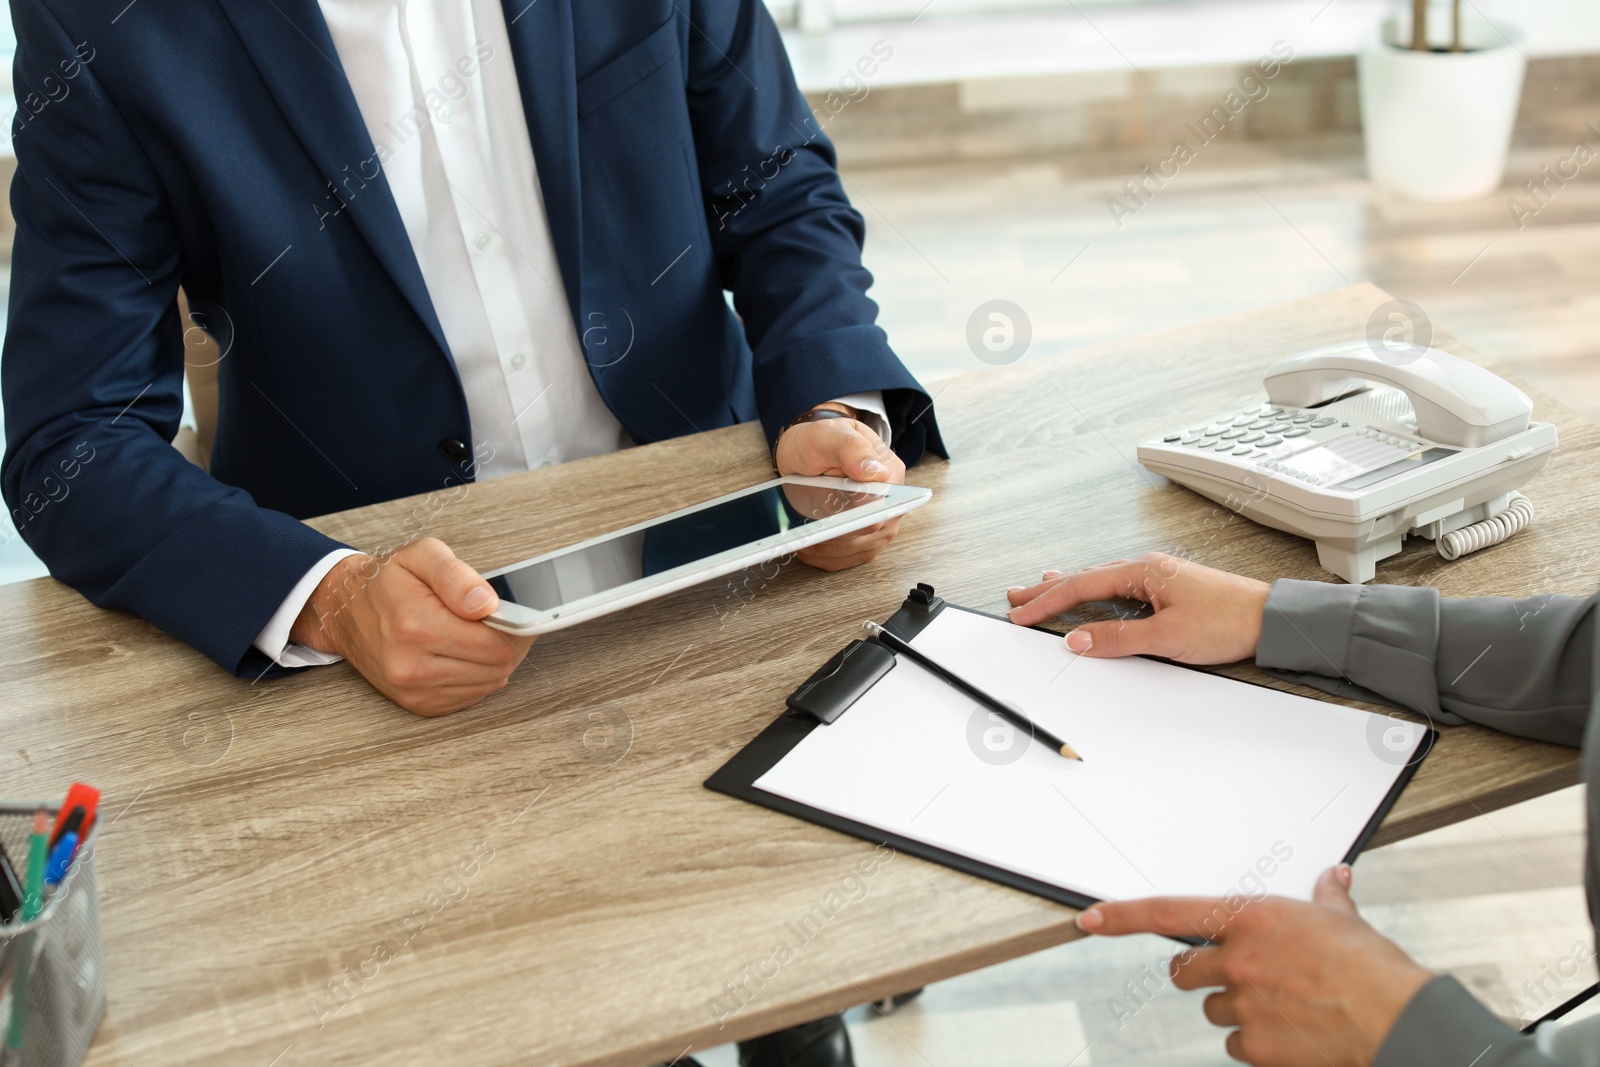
264, 840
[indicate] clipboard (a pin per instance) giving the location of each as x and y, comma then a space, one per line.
825, 697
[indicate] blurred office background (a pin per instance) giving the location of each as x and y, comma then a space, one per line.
984, 142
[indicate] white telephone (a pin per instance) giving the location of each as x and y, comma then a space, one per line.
1356, 451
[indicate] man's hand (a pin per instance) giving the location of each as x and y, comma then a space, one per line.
1202, 615
842, 448
408, 621
1306, 985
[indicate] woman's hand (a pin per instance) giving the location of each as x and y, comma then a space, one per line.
1301, 985
1202, 615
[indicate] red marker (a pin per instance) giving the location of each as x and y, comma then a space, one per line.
77, 812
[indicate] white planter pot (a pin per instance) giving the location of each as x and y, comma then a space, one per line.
1437, 124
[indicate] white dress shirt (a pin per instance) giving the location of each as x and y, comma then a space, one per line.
437, 87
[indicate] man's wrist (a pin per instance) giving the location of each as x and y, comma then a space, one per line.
831, 410
316, 627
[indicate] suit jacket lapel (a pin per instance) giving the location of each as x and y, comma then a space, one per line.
542, 49
289, 43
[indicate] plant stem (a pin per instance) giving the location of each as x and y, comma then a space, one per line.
1455, 26
1419, 25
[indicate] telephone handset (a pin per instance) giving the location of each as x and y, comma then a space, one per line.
1456, 402
1357, 448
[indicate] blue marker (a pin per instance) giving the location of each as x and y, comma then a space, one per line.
60, 859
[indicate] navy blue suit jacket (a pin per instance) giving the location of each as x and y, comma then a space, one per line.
216, 145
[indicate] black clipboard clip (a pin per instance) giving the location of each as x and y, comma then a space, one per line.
856, 668
922, 600
841, 681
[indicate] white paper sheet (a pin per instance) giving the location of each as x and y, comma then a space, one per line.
1190, 784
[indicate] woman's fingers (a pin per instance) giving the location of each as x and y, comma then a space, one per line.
1048, 599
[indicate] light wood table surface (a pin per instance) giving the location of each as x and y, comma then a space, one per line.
263, 840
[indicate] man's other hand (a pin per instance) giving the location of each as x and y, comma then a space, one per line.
409, 622
1302, 985
1202, 615
842, 448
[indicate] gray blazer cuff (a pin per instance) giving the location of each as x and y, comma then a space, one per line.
1445, 1026
1363, 642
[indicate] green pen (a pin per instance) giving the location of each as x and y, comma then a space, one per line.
32, 905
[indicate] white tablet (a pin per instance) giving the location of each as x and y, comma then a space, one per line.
661, 556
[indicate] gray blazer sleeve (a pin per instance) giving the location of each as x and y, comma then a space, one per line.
1524, 667
1445, 1026
1521, 666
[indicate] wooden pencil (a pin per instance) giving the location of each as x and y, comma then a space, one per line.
901, 647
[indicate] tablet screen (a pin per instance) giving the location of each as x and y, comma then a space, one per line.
624, 558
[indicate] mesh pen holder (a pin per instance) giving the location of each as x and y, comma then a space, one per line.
54, 963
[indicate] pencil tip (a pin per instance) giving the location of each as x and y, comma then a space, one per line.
1071, 753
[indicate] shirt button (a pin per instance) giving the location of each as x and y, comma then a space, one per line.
453, 448
446, 113
518, 361
482, 240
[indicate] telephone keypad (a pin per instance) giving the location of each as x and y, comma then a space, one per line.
1251, 435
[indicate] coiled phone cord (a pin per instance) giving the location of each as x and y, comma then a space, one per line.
1517, 516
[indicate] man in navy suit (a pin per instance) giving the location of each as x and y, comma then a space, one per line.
438, 240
